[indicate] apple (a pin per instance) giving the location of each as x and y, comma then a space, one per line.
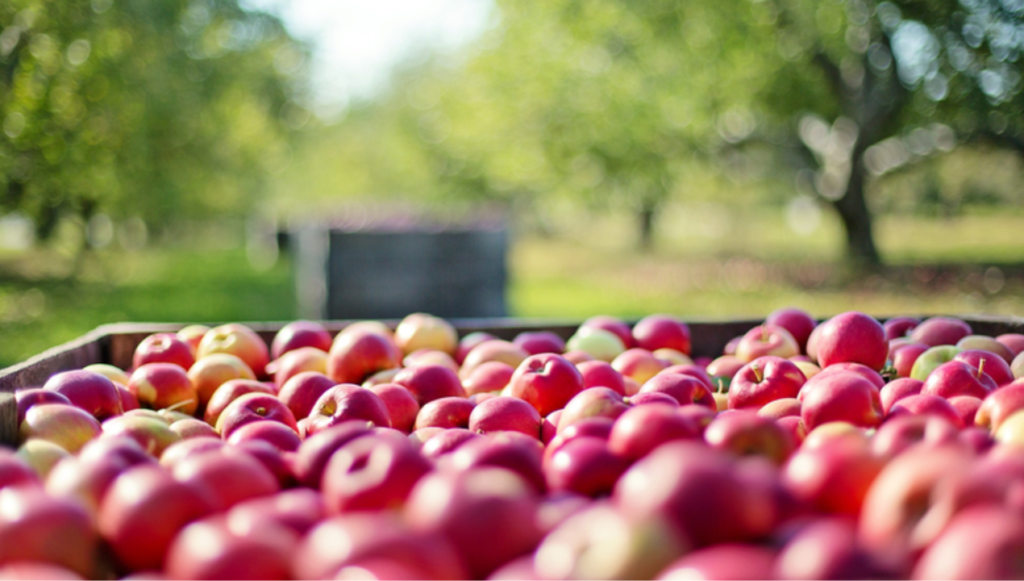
903, 431
84, 482
905, 357
27, 398
227, 479
538, 342
192, 334
899, 327
613, 325
861, 370
966, 407
37, 527
219, 548
423, 331
999, 405
430, 357
725, 366
164, 348
673, 357
577, 356
1011, 430
487, 377
88, 390
346, 402
852, 337
14, 471
931, 359
780, 408
693, 371
115, 374
799, 323
729, 561
596, 427
446, 441
142, 512
806, 367
356, 355
402, 406
317, 449
601, 374
981, 542
898, 389
239, 340
924, 404
467, 343
1013, 341
445, 412
193, 428
833, 477
828, 548
1017, 366
152, 434
546, 381
940, 331
827, 432
182, 449
766, 340
638, 364
465, 508
295, 362
592, 402
430, 382
746, 433
764, 380
666, 482
658, 331
274, 433
382, 377
228, 392
255, 407
372, 474
958, 378
505, 414
301, 392
585, 466
67, 426
212, 371
164, 385
513, 451
300, 334
125, 450
846, 397
993, 366
984, 343
686, 389
597, 343
41, 455
298, 510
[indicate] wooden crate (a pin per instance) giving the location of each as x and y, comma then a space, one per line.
115, 344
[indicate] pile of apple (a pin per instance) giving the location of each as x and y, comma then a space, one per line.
842, 450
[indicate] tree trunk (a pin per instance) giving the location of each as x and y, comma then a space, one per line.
853, 211
646, 214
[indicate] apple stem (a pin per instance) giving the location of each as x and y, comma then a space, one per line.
178, 405
981, 367
757, 373
721, 385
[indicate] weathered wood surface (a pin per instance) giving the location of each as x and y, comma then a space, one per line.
116, 343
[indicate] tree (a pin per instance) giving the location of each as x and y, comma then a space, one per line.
164, 109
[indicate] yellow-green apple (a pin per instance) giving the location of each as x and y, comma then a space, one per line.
745, 433
992, 365
766, 340
467, 343
686, 389
999, 405
152, 434
505, 414
227, 479
41, 455
212, 371
164, 348
255, 407
430, 357
143, 511
295, 362
301, 392
898, 389
345, 402
115, 374
217, 548
600, 542
666, 482
985, 343
358, 355
614, 325
1013, 341
274, 433
37, 527
299, 334
429, 382
798, 322
88, 390
585, 466
231, 390
925, 404
657, 331
966, 407
833, 477
940, 331
846, 397
193, 428
807, 368
402, 406
372, 474
33, 396
601, 374
780, 408
1011, 430
982, 542
164, 385
193, 335
902, 432
535, 342
316, 449
546, 381
423, 331
237, 340
899, 327
597, 343
905, 357
67, 426
852, 337
513, 451
931, 359
673, 357
638, 364
729, 561
592, 402
446, 441
465, 507
764, 380
445, 412
487, 377
958, 378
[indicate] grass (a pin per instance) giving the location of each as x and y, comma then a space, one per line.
745, 265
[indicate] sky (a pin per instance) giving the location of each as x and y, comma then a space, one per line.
357, 43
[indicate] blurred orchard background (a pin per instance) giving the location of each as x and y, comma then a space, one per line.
710, 158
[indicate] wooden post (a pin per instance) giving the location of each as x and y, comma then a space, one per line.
8, 419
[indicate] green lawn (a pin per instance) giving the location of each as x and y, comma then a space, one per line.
593, 268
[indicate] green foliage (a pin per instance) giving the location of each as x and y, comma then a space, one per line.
163, 109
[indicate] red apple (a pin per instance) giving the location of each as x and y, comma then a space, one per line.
612, 325
904, 358
766, 340
430, 357
430, 382
301, 392
966, 407
217, 548
295, 362
14, 471
546, 381
356, 355
26, 398
1013, 341
592, 402
861, 370
901, 432
182, 449
254, 407
745, 433
985, 361
346, 402
317, 449
538, 342
467, 343
37, 527
725, 366
899, 327
227, 479
999, 405
658, 331
984, 343
652, 397
780, 408
164, 348
827, 548
585, 466
299, 510
764, 380
88, 390
833, 477
503, 413
67, 426
728, 561
842, 397
164, 385
152, 434
799, 323
446, 441
492, 350
228, 392
372, 473
193, 428
980, 543
686, 389
958, 378
276, 434
601, 374
192, 334
299, 334
212, 371
940, 331
402, 406
638, 364
924, 404
898, 389
522, 455
84, 482
693, 371
852, 337
238, 340
487, 377
445, 412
